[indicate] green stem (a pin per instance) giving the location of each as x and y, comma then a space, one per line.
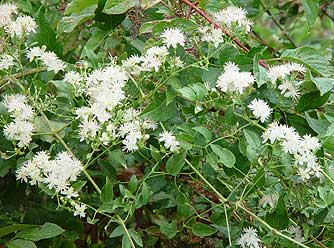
120, 221
237, 205
254, 123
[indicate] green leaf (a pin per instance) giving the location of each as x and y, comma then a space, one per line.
107, 193
98, 35
175, 163
323, 84
311, 100
169, 229
279, 218
204, 132
311, 58
118, 231
203, 230
118, 156
158, 111
42, 126
311, 8
145, 4
126, 243
145, 195
227, 158
13, 228
181, 23
136, 237
48, 230
117, 7
77, 12
188, 93
320, 126
326, 194
21, 243
252, 138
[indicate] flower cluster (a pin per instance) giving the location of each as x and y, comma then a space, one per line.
6, 61
57, 174
249, 238
6, 12
76, 80
152, 60
49, 59
233, 80
169, 140
233, 16
297, 233
21, 128
22, 26
288, 87
260, 109
301, 148
212, 35
172, 37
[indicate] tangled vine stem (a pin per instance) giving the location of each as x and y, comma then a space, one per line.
246, 210
216, 25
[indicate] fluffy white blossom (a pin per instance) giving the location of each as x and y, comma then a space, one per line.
302, 148
79, 209
249, 238
297, 233
88, 129
154, 58
260, 109
49, 59
172, 37
21, 128
57, 174
283, 70
169, 140
231, 16
132, 64
6, 61
22, 26
6, 12
288, 89
212, 35
233, 80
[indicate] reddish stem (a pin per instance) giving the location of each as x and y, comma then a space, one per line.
216, 25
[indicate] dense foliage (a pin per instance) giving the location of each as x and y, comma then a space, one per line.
171, 123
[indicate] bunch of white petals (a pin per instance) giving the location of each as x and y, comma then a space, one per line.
6, 61
21, 128
233, 80
6, 12
233, 16
283, 70
212, 35
76, 80
57, 173
302, 148
172, 37
49, 59
249, 238
22, 26
260, 109
169, 140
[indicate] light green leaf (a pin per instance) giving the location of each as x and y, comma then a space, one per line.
117, 7
323, 84
227, 158
13, 228
48, 230
175, 163
311, 8
252, 138
21, 243
311, 58
205, 132
42, 128
169, 229
145, 4
203, 230
107, 193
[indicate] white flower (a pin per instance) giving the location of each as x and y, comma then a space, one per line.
291, 143
260, 109
73, 78
132, 64
6, 12
249, 239
212, 35
79, 210
232, 80
173, 37
269, 199
69, 193
88, 129
169, 140
35, 52
23, 26
233, 16
289, 90
297, 233
6, 61
305, 174
52, 62
19, 130
283, 70
154, 58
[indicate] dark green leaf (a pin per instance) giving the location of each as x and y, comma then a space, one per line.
48, 230
175, 163
311, 100
203, 230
